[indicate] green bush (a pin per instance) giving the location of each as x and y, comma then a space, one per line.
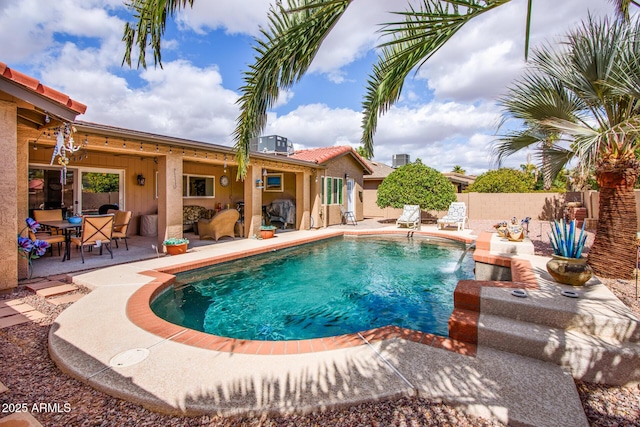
416, 184
503, 180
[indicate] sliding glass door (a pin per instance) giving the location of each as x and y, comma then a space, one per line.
85, 189
100, 187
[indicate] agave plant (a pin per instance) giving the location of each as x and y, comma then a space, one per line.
563, 239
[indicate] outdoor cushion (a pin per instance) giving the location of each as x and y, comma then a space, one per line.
457, 215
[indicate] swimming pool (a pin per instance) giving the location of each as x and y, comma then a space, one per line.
332, 287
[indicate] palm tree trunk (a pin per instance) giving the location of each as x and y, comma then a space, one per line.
613, 253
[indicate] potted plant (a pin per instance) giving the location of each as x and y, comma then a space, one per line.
567, 265
176, 246
267, 231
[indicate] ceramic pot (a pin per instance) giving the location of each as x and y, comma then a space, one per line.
176, 249
502, 231
569, 271
267, 234
515, 233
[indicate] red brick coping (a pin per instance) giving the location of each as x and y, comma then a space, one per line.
463, 323
140, 313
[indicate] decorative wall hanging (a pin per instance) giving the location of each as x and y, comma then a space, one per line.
64, 147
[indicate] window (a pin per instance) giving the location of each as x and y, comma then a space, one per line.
273, 182
198, 186
331, 191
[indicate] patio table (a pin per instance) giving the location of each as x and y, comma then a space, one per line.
67, 228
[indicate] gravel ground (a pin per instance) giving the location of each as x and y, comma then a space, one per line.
32, 378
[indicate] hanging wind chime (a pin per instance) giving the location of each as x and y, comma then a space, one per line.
64, 147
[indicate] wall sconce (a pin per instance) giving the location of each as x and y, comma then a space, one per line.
346, 176
141, 180
264, 171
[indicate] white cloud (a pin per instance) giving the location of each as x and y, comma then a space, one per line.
446, 115
234, 16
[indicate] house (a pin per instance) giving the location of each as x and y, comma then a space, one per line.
461, 181
338, 184
145, 173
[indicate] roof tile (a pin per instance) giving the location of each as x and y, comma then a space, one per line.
46, 91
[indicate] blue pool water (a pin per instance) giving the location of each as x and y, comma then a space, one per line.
328, 288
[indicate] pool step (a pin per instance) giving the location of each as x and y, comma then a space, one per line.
594, 335
595, 311
588, 357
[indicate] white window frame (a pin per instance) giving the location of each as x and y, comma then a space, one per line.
186, 187
337, 191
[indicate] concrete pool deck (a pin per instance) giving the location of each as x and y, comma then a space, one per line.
175, 370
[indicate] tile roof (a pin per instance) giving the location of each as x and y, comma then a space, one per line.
380, 170
324, 154
35, 86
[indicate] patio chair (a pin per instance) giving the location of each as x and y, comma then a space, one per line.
121, 222
48, 215
51, 239
223, 224
96, 230
347, 216
457, 215
411, 217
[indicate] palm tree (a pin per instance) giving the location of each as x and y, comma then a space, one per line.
294, 36
458, 169
587, 94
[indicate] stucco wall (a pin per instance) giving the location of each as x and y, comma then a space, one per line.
337, 168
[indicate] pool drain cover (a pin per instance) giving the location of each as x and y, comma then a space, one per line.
569, 294
520, 293
129, 357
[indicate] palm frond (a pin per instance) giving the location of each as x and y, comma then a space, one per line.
553, 159
151, 17
284, 54
512, 142
413, 41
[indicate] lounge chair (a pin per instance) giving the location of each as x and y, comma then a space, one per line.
457, 216
223, 224
411, 217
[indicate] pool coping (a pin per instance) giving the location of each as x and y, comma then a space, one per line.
140, 313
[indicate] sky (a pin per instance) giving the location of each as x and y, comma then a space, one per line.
447, 114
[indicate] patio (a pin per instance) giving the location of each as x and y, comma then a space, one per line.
140, 248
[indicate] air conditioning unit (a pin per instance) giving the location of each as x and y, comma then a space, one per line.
398, 160
270, 144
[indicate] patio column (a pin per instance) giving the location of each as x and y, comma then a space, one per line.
252, 202
303, 200
14, 171
169, 197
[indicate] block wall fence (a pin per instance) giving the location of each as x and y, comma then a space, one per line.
503, 206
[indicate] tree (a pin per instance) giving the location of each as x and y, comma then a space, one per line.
458, 169
416, 184
360, 150
293, 37
588, 94
503, 180
97, 182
